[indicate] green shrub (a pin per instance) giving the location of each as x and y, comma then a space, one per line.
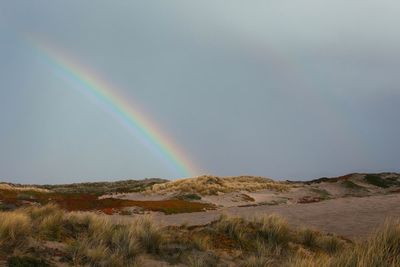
321, 193
377, 181
351, 185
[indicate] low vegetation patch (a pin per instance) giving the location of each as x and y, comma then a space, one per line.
322, 180
188, 197
212, 185
351, 185
322, 193
91, 202
87, 239
377, 180
103, 188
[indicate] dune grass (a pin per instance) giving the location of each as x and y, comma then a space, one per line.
4, 186
381, 250
212, 185
89, 239
14, 228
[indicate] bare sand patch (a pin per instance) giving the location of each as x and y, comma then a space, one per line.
350, 217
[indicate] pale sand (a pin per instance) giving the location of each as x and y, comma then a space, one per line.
350, 217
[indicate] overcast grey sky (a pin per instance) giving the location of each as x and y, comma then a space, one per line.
283, 89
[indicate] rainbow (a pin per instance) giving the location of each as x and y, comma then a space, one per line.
126, 113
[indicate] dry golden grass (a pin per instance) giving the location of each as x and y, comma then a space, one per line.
381, 250
23, 188
94, 240
105, 244
15, 227
211, 185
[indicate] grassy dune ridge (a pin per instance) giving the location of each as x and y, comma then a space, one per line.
4, 186
52, 236
211, 185
102, 188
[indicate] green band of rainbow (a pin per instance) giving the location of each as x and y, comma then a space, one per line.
127, 114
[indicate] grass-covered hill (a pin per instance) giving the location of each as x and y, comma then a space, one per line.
99, 188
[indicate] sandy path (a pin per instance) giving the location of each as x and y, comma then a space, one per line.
351, 217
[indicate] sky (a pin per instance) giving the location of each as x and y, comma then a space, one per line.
281, 89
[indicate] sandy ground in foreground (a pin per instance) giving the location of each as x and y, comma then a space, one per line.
351, 217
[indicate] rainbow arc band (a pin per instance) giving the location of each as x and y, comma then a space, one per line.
127, 114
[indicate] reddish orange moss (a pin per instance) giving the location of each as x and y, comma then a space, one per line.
88, 202
309, 199
395, 191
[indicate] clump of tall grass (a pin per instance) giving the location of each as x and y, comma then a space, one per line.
94, 252
330, 244
110, 244
147, 232
308, 238
93, 240
41, 212
46, 221
273, 229
319, 260
201, 242
15, 229
382, 249
233, 227
49, 226
266, 236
